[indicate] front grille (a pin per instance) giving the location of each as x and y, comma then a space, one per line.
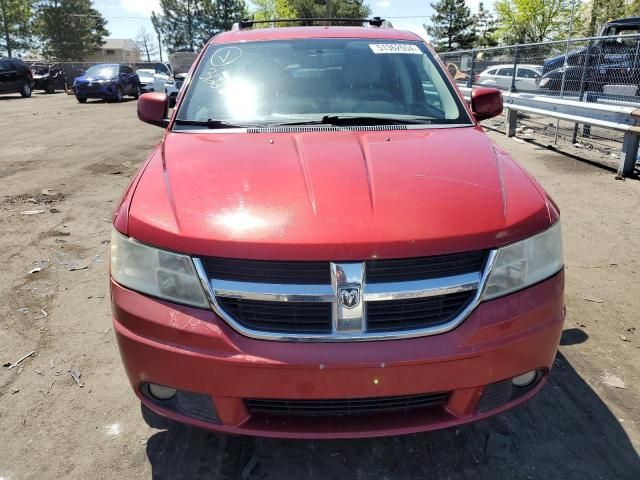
347, 406
401, 315
417, 296
407, 269
260, 271
279, 317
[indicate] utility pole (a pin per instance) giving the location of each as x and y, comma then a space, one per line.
159, 46
329, 11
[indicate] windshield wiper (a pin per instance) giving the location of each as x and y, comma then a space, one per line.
212, 124
344, 120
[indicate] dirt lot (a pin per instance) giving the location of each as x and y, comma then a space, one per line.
73, 161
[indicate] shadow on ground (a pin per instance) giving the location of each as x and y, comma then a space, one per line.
566, 432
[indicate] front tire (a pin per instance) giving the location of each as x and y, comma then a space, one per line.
137, 92
81, 99
25, 90
50, 88
119, 95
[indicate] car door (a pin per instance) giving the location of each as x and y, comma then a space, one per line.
124, 79
4, 79
527, 79
504, 77
488, 77
8, 77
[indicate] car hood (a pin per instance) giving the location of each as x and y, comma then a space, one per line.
85, 79
341, 195
558, 60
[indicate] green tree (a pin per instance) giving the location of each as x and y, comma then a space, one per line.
222, 14
600, 12
330, 8
15, 25
189, 24
270, 9
524, 21
633, 9
69, 29
452, 26
485, 27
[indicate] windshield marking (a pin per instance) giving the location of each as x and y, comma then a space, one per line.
225, 56
379, 48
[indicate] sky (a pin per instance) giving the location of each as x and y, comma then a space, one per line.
126, 17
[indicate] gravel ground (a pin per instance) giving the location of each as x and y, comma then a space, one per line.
73, 161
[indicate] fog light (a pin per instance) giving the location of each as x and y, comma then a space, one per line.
525, 379
160, 392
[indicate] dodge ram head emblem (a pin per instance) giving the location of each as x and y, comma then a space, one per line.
349, 297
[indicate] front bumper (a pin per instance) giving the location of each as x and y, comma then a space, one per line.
107, 90
147, 87
195, 351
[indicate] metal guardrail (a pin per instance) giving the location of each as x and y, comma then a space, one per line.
625, 119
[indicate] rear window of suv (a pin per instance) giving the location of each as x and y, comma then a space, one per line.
288, 81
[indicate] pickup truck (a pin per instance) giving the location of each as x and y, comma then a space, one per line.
614, 61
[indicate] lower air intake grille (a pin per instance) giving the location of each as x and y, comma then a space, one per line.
399, 315
282, 317
345, 407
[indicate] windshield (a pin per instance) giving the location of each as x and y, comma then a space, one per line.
298, 81
146, 73
40, 69
102, 71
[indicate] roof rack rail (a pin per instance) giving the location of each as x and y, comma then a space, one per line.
374, 22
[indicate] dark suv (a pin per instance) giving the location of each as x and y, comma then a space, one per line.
15, 77
608, 61
107, 81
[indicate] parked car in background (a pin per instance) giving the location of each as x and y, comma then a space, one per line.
326, 244
147, 80
48, 77
15, 77
614, 61
107, 81
181, 63
501, 76
154, 76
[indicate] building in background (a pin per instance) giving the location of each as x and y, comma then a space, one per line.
116, 50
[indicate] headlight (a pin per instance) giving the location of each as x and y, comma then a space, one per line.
544, 81
167, 275
170, 81
525, 263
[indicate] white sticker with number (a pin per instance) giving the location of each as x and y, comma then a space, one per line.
378, 48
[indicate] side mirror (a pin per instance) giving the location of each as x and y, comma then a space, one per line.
153, 108
486, 103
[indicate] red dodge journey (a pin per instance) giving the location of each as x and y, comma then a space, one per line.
325, 244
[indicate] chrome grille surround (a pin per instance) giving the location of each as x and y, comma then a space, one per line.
348, 323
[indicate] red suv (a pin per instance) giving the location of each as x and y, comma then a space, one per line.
325, 244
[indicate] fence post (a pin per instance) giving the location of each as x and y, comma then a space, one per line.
473, 69
629, 155
512, 122
515, 67
583, 78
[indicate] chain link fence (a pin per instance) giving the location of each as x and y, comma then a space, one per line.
603, 70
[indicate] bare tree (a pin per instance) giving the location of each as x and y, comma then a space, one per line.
146, 43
